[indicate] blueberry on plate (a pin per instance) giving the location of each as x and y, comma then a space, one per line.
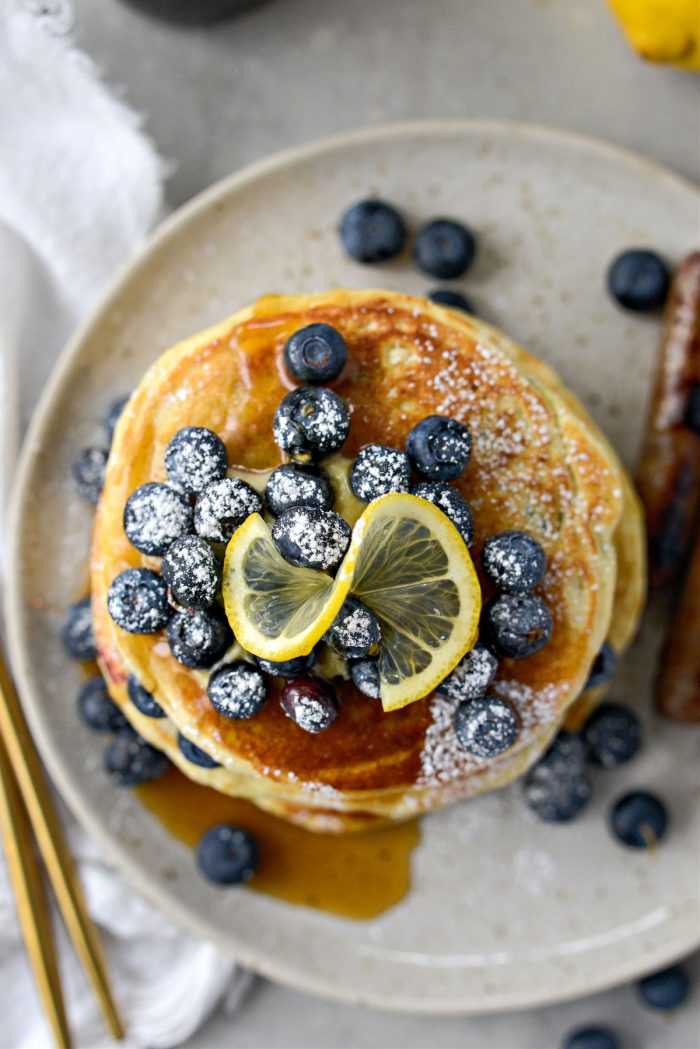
296, 667
311, 423
612, 735
666, 989
378, 470
227, 855
311, 538
315, 354
603, 667
452, 503
97, 708
237, 690
298, 484
513, 561
355, 632
639, 280
439, 447
155, 516
131, 761
310, 703
639, 819
113, 415
223, 506
194, 458
486, 727
454, 299
89, 473
192, 571
142, 699
365, 677
471, 677
372, 231
77, 634
198, 639
591, 1038
195, 754
137, 601
444, 248
517, 625
557, 789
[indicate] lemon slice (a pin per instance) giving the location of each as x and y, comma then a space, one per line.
409, 564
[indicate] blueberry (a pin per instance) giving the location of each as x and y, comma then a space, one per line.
237, 690
89, 473
192, 571
378, 470
603, 667
288, 667
444, 249
113, 416
517, 625
315, 354
77, 634
365, 677
155, 516
612, 735
591, 1038
486, 727
194, 458
142, 699
97, 708
199, 639
137, 601
311, 422
195, 754
472, 676
639, 280
639, 819
666, 989
557, 788
227, 855
355, 632
296, 484
311, 538
223, 506
309, 703
372, 231
130, 760
439, 447
454, 299
513, 561
452, 503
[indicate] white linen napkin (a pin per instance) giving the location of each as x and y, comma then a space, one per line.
80, 186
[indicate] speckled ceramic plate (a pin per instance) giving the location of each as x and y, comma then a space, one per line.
504, 911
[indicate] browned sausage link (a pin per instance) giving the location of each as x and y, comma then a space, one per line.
678, 686
669, 471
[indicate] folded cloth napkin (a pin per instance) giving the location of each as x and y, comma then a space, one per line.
80, 186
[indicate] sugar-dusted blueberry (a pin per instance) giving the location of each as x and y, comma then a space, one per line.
97, 708
296, 667
77, 633
113, 416
591, 1038
311, 422
517, 625
612, 735
310, 703
451, 502
155, 516
237, 690
639, 819
315, 354
192, 571
195, 457
355, 632
198, 639
557, 788
372, 231
444, 248
472, 676
137, 601
603, 667
439, 447
223, 506
131, 761
513, 561
666, 989
194, 754
298, 484
142, 699
378, 470
89, 471
486, 727
311, 538
227, 855
639, 279
365, 677
454, 299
